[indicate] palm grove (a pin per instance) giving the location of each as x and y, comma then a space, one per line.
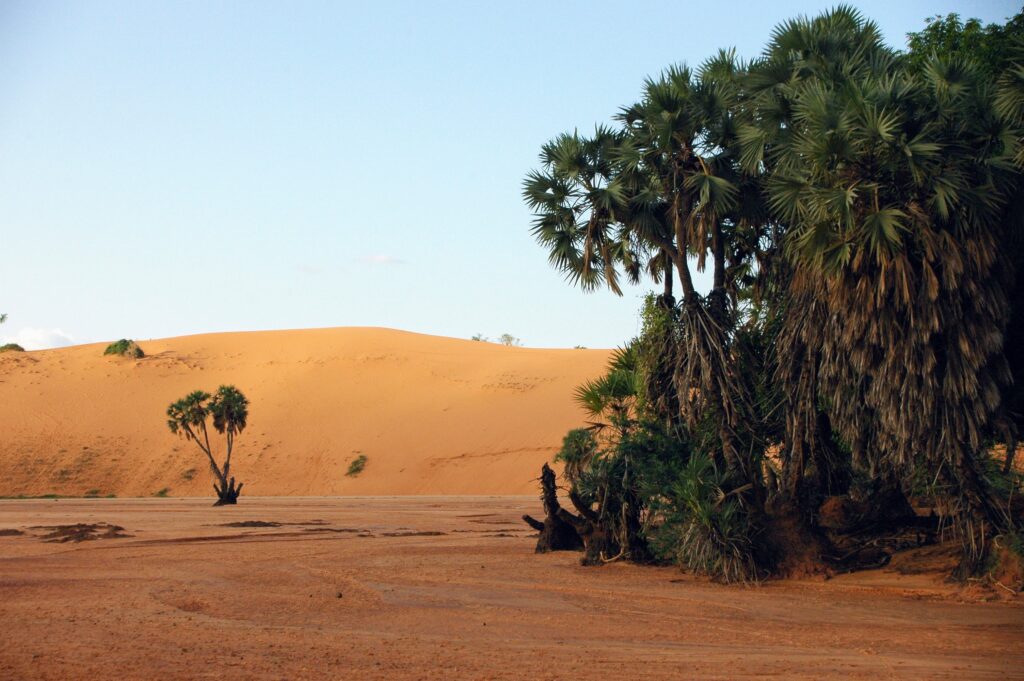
858, 210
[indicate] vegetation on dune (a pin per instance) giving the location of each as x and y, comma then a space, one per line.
125, 348
505, 339
356, 466
858, 210
9, 347
227, 412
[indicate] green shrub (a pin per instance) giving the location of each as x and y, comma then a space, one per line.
125, 348
356, 466
11, 347
92, 493
163, 492
705, 528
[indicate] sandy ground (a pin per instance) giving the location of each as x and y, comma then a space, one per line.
432, 415
440, 588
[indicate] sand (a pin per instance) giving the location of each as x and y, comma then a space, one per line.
440, 588
432, 415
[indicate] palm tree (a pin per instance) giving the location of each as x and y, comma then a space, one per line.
890, 189
228, 411
576, 198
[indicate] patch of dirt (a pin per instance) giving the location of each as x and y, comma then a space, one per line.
80, 532
429, 533
333, 529
11, 533
252, 523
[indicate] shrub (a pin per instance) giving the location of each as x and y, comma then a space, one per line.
163, 492
125, 348
356, 466
11, 347
705, 528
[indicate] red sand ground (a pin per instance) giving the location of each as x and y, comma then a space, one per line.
352, 589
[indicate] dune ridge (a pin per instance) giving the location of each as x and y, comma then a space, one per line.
433, 415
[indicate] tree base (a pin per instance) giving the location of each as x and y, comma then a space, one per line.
227, 494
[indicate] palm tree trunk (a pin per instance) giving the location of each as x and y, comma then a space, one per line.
1011, 449
667, 297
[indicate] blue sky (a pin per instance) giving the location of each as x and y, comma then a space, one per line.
188, 167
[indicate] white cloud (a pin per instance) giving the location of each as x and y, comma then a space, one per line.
40, 339
382, 260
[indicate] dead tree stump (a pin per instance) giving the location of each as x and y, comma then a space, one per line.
557, 533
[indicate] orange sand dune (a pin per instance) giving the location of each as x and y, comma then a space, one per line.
432, 415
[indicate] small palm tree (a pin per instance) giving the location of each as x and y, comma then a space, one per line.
228, 411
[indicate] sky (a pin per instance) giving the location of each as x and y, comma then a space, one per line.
189, 167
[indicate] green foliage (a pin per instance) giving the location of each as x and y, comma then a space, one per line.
125, 348
860, 212
579, 447
11, 347
356, 466
229, 409
480, 337
990, 47
705, 528
614, 394
163, 492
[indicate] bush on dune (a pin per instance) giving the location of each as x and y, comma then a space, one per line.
125, 348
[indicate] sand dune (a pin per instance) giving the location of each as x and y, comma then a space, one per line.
432, 415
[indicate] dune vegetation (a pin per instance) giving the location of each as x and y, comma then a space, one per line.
859, 351
125, 348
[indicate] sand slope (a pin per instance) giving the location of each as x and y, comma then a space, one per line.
432, 415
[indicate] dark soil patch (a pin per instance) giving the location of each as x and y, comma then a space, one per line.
80, 532
252, 523
11, 533
412, 534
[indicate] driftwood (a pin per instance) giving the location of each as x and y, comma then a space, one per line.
558, 530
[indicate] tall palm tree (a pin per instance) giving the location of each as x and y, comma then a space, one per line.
228, 412
890, 188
